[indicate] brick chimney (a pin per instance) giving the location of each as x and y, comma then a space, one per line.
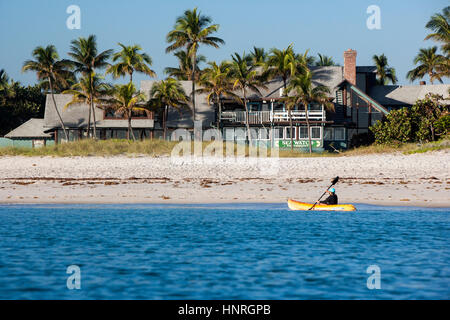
350, 65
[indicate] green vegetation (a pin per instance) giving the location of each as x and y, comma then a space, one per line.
161, 148
18, 104
426, 121
191, 30
48, 67
385, 74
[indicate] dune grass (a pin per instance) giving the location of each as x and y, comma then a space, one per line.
161, 148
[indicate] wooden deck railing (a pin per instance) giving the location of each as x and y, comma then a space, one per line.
255, 117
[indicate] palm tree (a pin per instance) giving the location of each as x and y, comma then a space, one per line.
440, 25
259, 56
4, 80
190, 30
58, 86
282, 63
127, 100
302, 92
430, 63
88, 90
129, 60
168, 93
215, 82
245, 76
384, 72
6, 90
184, 70
86, 60
325, 61
48, 66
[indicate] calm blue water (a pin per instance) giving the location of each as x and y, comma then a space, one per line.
256, 251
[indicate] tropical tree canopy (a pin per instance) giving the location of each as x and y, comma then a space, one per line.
282, 63
169, 92
86, 57
439, 24
385, 74
126, 100
325, 61
130, 60
184, 70
48, 66
244, 74
259, 56
86, 60
216, 82
83, 92
190, 30
429, 63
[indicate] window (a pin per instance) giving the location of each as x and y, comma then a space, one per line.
303, 132
278, 133
288, 133
339, 133
328, 134
277, 106
240, 134
315, 132
253, 106
263, 134
228, 134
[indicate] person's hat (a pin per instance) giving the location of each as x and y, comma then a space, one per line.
331, 190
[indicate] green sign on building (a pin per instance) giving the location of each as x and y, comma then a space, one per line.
299, 143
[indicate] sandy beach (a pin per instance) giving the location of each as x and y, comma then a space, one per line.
383, 179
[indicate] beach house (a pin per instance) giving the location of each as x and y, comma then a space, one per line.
357, 99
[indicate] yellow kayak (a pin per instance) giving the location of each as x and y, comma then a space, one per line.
297, 205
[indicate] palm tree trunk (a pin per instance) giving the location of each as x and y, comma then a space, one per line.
220, 112
164, 122
93, 109
57, 111
249, 137
193, 84
130, 129
308, 127
292, 127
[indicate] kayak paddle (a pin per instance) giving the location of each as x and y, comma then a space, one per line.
335, 180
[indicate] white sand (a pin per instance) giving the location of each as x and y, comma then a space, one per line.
419, 179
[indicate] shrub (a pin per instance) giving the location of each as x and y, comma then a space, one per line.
427, 120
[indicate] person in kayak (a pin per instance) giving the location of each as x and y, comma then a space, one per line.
332, 198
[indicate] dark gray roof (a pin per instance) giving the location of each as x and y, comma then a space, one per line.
204, 111
396, 95
366, 69
33, 128
328, 76
77, 115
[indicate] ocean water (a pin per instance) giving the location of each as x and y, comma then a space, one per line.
234, 251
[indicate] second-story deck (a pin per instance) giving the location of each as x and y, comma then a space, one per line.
259, 117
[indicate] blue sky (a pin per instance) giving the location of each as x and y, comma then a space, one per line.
329, 27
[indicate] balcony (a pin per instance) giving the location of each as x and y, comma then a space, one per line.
259, 117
